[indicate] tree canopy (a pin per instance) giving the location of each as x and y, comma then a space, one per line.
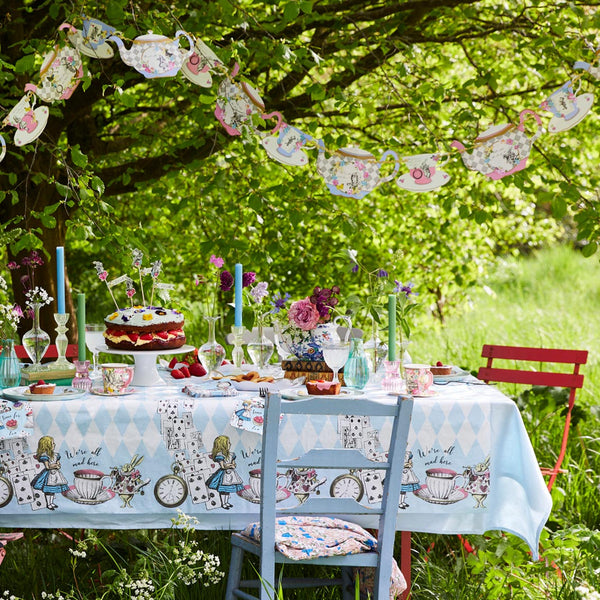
129, 162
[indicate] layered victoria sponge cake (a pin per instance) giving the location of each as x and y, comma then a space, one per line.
144, 328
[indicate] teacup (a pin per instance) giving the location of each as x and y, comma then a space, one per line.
255, 475
285, 143
198, 66
567, 108
116, 377
423, 173
89, 483
418, 379
29, 121
441, 482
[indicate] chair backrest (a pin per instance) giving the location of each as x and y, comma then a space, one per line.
548, 375
399, 410
51, 353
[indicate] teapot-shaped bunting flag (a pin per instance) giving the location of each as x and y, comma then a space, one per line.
503, 149
154, 55
352, 172
60, 74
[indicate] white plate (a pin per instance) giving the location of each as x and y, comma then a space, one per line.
60, 393
101, 392
299, 393
457, 375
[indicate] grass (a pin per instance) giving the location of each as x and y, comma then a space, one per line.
550, 299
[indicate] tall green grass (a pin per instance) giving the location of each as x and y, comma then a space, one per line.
549, 299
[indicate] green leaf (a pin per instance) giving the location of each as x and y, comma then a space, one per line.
25, 64
291, 11
64, 190
589, 249
78, 157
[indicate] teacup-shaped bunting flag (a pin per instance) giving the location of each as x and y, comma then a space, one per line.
236, 103
91, 40
60, 74
3, 151
199, 65
285, 142
568, 109
29, 121
154, 55
424, 174
353, 172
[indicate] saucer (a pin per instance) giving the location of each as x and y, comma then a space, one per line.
299, 393
426, 394
584, 104
101, 392
23, 137
103, 496
456, 495
295, 159
439, 179
248, 494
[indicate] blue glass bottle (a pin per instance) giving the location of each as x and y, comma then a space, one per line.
356, 369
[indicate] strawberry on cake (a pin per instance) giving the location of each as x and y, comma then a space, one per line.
144, 328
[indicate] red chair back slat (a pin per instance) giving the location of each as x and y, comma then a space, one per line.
527, 375
72, 352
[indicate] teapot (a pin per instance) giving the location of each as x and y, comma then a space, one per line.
353, 172
154, 55
503, 149
60, 73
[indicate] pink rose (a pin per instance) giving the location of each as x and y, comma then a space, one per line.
304, 314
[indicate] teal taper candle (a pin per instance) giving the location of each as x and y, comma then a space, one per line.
392, 327
81, 326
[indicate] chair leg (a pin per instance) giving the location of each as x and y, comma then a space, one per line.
235, 572
348, 583
405, 561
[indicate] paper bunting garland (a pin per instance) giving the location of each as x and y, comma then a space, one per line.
500, 151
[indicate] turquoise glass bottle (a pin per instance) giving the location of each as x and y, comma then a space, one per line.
356, 369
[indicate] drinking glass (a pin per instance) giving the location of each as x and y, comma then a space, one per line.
94, 337
336, 355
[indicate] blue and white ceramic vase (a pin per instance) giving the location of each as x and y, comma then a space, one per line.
308, 345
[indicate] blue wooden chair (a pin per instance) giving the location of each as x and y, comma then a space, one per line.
346, 508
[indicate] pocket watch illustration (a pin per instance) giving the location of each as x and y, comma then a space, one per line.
171, 490
347, 486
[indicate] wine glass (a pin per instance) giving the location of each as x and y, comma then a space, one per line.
94, 337
335, 355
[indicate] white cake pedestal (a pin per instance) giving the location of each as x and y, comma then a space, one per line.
146, 372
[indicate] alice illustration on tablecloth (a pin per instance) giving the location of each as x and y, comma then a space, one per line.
410, 481
226, 479
50, 481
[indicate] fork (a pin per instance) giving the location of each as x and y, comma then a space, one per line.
263, 391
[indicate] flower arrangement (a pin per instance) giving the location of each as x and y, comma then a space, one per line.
34, 294
10, 315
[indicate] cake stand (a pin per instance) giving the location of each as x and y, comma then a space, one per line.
146, 372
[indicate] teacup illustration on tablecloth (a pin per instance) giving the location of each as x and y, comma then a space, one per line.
424, 174
568, 108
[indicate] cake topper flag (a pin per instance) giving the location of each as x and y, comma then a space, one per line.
102, 276
155, 272
163, 289
130, 289
137, 264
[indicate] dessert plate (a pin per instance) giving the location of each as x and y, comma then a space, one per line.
101, 392
299, 393
426, 394
60, 393
457, 374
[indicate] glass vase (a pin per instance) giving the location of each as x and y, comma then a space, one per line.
356, 369
36, 341
375, 349
10, 367
260, 350
82, 380
211, 353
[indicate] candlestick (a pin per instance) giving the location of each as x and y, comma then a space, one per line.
81, 327
392, 327
60, 279
61, 343
237, 355
238, 294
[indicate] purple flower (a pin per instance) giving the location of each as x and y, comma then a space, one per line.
407, 289
248, 278
354, 268
382, 273
279, 301
217, 261
259, 292
12, 265
226, 281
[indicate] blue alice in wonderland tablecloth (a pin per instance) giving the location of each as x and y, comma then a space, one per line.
133, 461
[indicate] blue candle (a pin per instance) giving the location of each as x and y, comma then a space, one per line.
238, 294
60, 279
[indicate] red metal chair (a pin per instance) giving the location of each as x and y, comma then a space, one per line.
51, 353
547, 358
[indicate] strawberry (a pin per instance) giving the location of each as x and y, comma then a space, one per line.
177, 374
41, 382
163, 335
173, 362
133, 337
185, 371
147, 337
197, 370
439, 363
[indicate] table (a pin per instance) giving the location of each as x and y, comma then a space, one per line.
133, 461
